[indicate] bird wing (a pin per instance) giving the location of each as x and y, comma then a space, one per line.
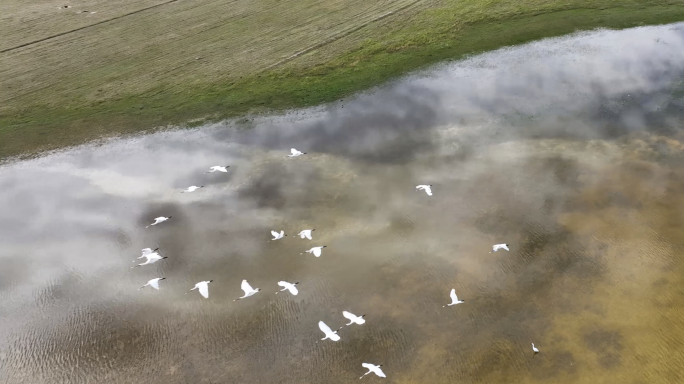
349, 315
505, 247
307, 234
317, 252
246, 287
293, 289
145, 251
293, 151
453, 295
428, 190
274, 233
204, 290
367, 366
324, 327
154, 283
283, 284
379, 372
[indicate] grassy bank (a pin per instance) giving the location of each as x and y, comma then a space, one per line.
375, 50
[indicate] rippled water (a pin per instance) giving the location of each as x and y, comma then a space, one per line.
569, 150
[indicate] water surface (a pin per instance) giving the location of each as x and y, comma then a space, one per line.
569, 150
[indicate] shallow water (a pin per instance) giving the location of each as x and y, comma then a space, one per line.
569, 150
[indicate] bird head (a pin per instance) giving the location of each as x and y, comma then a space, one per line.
296, 283
202, 186
258, 289
169, 217
380, 365
313, 230
165, 257
163, 278
155, 250
325, 246
363, 315
227, 166
211, 281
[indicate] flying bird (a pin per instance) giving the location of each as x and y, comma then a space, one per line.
158, 220
146, 251
218, 168
277, 236
151, 259
329, 334
191, 189
534, 349
295, 153
249, 291
316, 250
306, 234
373, 369
454, 299
426, 188
288, 286
353, 318
496, 247
154, 283
203, 287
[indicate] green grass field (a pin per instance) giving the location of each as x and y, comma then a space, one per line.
68, 76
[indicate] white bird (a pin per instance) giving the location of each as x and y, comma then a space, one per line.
306, 234
289, 286
191, 189
203, 287
218, 168
496, 247
454, 299
426, 188
329, 334
158, 220
146, 251
151, 259
373, 369
154, 283
277, 236
295, 153
249, 291
316, 250
534, 349
353, 318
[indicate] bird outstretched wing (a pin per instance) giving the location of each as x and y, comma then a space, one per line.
317, 251
324, 327
293, 289
307, 234
453, 295
348, 315
146, 251
293, 151
204, 290
154, 283
274, 233
283, 283
246, 287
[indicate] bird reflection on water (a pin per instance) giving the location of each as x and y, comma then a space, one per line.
591, 214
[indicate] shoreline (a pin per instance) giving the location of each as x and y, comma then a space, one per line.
36, 129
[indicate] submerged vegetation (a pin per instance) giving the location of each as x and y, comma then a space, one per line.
88, 104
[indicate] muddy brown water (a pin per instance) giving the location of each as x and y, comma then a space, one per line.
569, 150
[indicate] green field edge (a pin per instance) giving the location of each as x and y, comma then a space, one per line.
37, 129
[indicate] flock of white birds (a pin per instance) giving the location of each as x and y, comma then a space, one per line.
152, 256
